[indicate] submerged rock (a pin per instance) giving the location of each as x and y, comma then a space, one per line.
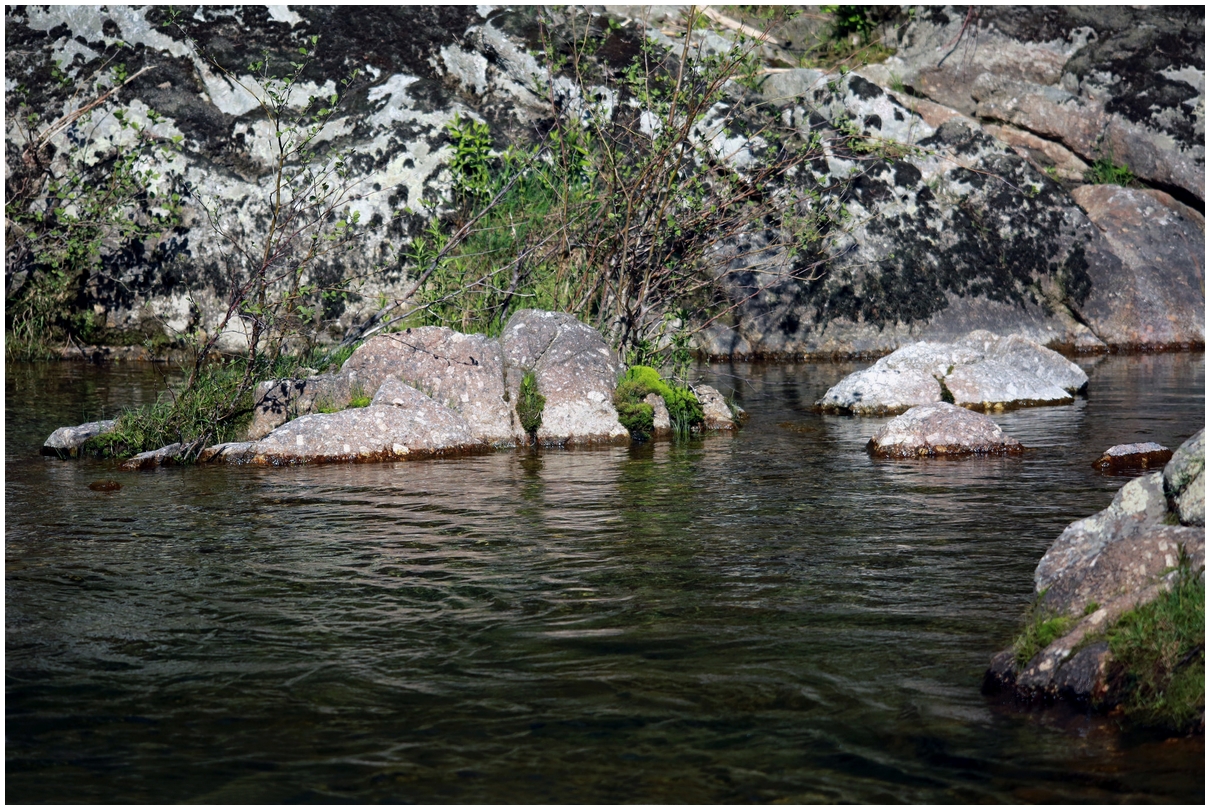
65, 442
942, 429
1099, 568
1141, 455
981, 370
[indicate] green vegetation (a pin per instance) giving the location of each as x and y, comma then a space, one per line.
849, 41
1105, 171
85, 181
530, 404
684, 410
1041, 629
1161, 649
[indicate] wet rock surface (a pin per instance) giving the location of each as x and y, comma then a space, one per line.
980, 370
65, 442
1099, 568
163, 457
944, 430
1140, 455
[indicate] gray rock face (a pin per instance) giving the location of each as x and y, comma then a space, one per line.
279, 401
716, 414
576, 371
980, 370
65, 442
464, 372
1185, 480
1126, 83
163, 457
400, 423
941, 429
661, 420
1133, 456
1151, 291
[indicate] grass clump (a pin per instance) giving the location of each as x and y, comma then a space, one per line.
1041, 630
1160, 647
684, 410
1106, 172
530, 404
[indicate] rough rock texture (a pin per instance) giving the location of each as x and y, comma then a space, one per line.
1098, 569
576, 371
947, 225
941, 429
716, 413
1141, 455
1125, 83
400, 423
279, 401
661, 420
163, 457
1154, 294
1185, 481
465, 372
979, 370
65, 442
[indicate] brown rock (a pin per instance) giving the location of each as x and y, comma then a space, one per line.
1141, 455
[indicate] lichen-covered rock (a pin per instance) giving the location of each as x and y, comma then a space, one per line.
981, 370
1185, 480
575, 370
65, 442
716, 413
464, 372
941, 429
1125, 83
1151, 291
279, 401
1140, 455
400, 423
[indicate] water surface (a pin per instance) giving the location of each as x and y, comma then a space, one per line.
773, 616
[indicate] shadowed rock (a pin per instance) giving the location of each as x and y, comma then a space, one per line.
1185, 480
941, 429
279, 401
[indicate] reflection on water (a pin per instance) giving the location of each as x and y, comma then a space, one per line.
773, 616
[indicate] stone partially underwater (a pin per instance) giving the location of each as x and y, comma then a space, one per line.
942, 429
981, 370
1100, 568
435, 392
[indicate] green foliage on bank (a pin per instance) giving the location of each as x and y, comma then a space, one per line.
1161, 649
1042, 628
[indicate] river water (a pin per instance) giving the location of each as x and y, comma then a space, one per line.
773, 616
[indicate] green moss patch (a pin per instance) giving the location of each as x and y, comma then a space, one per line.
684, 410
530, 404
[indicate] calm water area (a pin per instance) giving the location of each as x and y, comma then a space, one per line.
770, 616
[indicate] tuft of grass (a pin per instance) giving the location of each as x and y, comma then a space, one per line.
1161, 649
1042, 628
1105, 171
530, 404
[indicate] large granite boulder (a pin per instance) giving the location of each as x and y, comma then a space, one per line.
576, 372
400, 423
1150, 290
942, 429
1099, 568
65, 442
981, 370
465, 372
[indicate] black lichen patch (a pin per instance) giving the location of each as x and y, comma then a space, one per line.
864, 89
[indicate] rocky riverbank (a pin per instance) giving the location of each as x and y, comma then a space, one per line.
1094, 583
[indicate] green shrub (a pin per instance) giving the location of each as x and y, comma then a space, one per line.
530, 404
1161, 649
